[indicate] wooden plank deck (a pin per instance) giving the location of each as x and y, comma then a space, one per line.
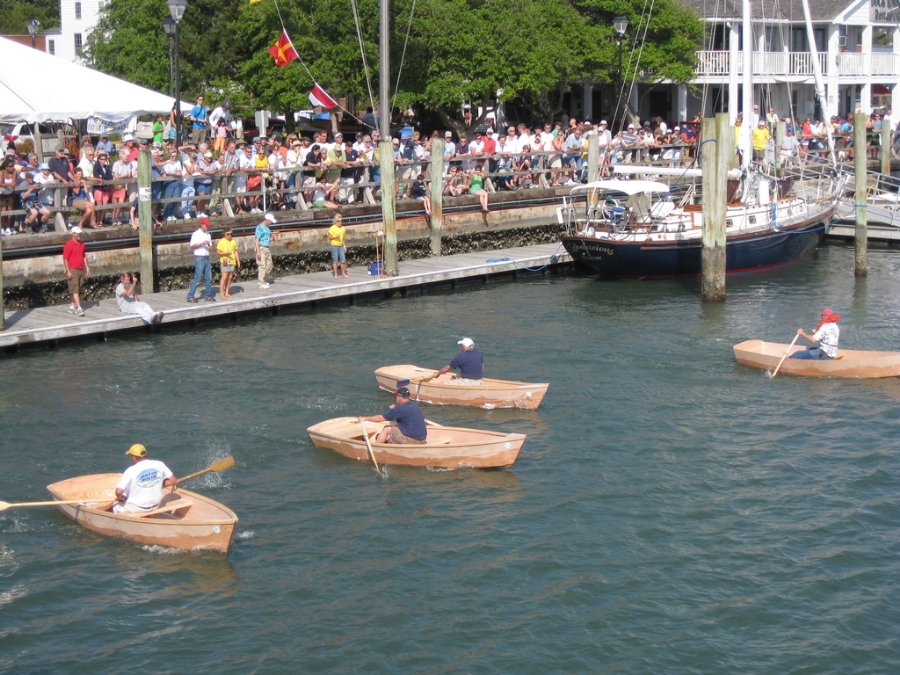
51, 325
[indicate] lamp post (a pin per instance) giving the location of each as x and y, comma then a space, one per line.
33, 26
170, 27
620, 23
176, 9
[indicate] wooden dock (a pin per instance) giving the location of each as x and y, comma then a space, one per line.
50, 326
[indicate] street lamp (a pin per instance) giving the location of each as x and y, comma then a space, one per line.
33, 26
170, 27
620, 23
176, 9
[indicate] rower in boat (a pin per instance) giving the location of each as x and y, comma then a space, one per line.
141, 486
824, 338
407, 421
470, 363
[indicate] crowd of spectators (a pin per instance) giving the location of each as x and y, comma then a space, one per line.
318, 170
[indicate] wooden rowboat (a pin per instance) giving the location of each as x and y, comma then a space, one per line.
493, 394
184, 520
849, 363
447, 447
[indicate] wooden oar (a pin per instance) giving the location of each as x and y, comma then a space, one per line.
432, 424
368, 444
786, 352
7, 505
219, 465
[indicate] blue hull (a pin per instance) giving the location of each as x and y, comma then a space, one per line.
743, 253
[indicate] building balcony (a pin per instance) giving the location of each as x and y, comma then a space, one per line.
797, 66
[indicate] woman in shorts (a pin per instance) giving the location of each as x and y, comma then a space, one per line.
229, 259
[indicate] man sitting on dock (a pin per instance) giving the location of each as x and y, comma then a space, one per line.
407, 421
141, 486
470, 363
130, 303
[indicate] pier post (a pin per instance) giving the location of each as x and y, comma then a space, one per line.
145, 220
593, 157
860, 168
388, 213
886, 149
716, 160
437, 194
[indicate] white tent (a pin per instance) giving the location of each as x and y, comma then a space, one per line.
38, 87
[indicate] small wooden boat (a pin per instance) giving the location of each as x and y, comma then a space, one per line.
493, 394
184, 520
446, 447
849, 362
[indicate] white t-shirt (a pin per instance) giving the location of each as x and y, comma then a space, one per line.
143, 481
199, 237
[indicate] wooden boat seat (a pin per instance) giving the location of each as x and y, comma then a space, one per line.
174, 505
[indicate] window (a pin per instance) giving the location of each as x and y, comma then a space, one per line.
77, 10
78, 44
51, 49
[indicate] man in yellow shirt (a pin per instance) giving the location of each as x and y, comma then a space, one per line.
761, 138
338, 249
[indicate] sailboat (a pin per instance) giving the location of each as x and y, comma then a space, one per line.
645, 228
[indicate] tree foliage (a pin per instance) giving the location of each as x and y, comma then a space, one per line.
15, 14
530, 51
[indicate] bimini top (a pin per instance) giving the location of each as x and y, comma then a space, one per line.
628, 187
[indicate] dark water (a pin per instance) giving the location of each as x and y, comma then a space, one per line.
671, 512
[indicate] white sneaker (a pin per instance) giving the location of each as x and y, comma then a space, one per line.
187, 217
262, 284
170, 219
255, 210
72, 309
78, 311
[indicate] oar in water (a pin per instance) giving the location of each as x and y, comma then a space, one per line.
786, 352
368, 444
218, 465
7, 505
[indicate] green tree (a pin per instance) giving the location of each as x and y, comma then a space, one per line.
15, 14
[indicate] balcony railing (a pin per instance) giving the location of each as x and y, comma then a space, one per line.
788, 64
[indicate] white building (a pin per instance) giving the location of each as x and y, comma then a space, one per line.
77, 19
858, 51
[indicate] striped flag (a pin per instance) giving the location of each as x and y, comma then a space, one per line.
319, 97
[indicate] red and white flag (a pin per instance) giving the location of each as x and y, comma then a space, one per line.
320, 97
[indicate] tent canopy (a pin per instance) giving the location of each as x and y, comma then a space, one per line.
51, 88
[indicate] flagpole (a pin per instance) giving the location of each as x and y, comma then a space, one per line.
388, 186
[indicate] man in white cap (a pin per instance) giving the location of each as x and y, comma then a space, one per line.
262, 238
75, 262
201, 243
141, 486
470, 363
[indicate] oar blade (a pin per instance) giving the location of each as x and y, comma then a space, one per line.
222, 464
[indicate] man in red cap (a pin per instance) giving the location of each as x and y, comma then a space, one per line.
201, 243
826, 335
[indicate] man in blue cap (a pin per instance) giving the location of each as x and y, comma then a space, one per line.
407, 421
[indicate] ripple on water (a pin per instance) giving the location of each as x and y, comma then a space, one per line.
671, 511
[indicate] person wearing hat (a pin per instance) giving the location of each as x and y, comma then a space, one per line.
407, 421
201, 243
105, 144
629, 141
76, 265
824, 338
760, 138
141, 486
261, 239
790, 146
470, 363
60, 166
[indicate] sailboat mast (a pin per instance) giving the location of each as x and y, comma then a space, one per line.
820, 82
747, 95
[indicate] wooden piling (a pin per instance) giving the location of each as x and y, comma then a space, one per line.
2, 302
145, 221
717, 157
437, 194
860, 167
593, 157
388, 212
886, 149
